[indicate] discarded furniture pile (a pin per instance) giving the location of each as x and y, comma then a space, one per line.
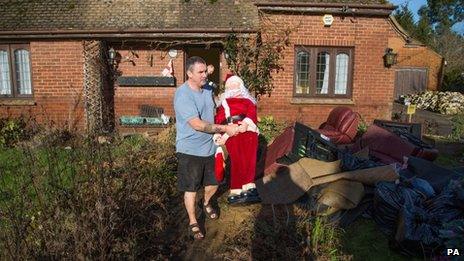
386, 174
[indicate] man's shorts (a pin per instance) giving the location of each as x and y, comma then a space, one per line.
193, 172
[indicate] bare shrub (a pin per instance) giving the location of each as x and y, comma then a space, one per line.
89, 201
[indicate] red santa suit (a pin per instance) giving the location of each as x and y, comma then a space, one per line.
242, 148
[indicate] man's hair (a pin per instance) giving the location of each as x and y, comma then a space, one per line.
191, 61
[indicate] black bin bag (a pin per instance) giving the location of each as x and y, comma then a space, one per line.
417, 232
389, 198
420, 222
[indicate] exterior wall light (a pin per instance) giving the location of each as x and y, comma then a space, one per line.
389, 58
111, 55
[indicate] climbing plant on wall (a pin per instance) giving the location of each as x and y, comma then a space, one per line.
255, 58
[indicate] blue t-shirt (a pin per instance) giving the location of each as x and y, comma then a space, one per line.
190, 104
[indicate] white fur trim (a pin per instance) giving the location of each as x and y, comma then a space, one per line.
251, 125
248, 186
235, 192
235, 78
219, 151
226, 109
225, 136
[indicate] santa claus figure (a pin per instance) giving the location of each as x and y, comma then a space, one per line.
239, 107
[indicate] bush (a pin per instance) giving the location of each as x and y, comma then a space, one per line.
453, 80
458, 127
448, 103
12, 130
362, 126
90, 201
270, 128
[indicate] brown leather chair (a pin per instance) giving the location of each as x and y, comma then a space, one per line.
341, 125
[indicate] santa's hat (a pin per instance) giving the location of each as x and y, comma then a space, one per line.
219, 164
228, 75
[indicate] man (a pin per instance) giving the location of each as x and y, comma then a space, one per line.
194, 107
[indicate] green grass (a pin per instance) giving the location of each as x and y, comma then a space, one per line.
55, 200
131, 143
363, 241
325, 239
55, 168
25, 171
448, 161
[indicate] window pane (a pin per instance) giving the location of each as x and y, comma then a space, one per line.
322, 73
302, 73
5, 81
23, 72
341, 76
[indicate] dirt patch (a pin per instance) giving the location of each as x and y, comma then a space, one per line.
251, 232
228, 224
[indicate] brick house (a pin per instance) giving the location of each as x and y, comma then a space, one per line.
54, 62
419, 68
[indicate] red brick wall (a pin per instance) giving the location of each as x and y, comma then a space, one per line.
373, 84
418, 57
57, 74
128, 99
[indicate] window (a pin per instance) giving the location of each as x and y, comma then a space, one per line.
15, 71
323, 71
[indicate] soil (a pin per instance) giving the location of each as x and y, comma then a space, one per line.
244, 232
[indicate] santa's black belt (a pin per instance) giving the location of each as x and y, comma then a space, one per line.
234, 118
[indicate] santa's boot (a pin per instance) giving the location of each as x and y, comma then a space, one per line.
250, 193
235, 196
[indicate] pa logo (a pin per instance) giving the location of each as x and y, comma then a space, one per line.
452, 252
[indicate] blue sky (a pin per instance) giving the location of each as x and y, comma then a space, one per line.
414, 6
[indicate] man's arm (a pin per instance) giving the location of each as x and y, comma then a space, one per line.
207, 127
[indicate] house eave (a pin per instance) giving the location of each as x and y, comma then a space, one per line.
404, 34
324, 8
326, 5
125, 33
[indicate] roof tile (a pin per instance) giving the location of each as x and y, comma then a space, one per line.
45, 15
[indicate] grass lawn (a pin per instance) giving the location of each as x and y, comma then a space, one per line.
364, 241
86, 199
449, 161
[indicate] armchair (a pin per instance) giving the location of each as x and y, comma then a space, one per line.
341, 125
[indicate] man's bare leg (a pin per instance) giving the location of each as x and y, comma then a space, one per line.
189, 201
209, 192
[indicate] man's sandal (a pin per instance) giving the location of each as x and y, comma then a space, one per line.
195, 232
210, 211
